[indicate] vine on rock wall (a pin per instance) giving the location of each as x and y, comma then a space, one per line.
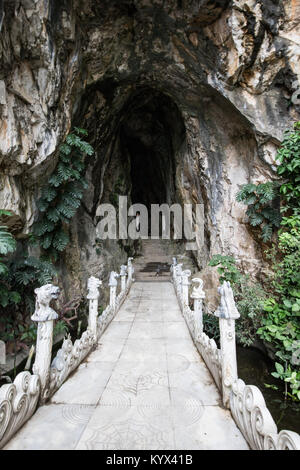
62, 194
19, 276
263, 208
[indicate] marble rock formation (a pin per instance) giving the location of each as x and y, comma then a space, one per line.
197, 92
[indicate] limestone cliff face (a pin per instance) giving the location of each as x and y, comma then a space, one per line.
206, 87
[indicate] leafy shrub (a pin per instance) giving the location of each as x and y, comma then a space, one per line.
211, 327
17, 301
7, 245
280, 326
291, 377
289, 158
226, 268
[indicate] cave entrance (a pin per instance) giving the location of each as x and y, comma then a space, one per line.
151, 135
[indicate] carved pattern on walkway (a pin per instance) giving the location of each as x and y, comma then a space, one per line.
144, 387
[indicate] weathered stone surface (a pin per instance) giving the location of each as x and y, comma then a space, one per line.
205, 88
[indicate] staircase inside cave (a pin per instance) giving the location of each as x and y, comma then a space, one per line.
154, 262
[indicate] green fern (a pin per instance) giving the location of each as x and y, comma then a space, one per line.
8, 297
61, 197
43, 227
262, 210
245, 191
64, 172
272, 215
71, 200
46, 241
3, 269
48, 193
84, 183
267, 231
65, 149
22, 277
60, 240
53, 214
255, 219
75, 189
7, 241
56, 180
80, 131
42, 205
267, 191
66, 210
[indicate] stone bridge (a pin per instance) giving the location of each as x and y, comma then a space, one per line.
143, 375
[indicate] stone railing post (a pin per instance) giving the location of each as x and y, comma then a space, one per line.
123, 272
113, 289
173, 267
45, 316
198, 295
227, 313
130, 270
177, 278
185, 287
93, 296
2, 352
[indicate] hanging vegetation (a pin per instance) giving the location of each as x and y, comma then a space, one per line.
280, 323
62, 194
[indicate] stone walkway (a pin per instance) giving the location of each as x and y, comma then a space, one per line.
144, 387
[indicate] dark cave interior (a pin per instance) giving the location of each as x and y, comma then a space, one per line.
151, 133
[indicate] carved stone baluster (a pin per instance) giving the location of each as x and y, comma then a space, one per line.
113, 289
93, 296
130, 271
172, 268
227, 313
198, 295
123, 272
185, 287
177, 280
2, 352
44, 315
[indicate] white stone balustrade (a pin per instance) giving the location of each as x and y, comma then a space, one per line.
198, 295
93, 295
255, 421
205, 345
227, 313
123, 273
45, 316
2, 352
177, 281
130, 271
174, 263
245, 402
19, 400
185, 287
113, 283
